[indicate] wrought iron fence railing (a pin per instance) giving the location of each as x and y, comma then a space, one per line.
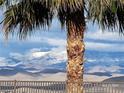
58, 87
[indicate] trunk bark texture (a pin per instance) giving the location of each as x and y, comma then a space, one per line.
75, 53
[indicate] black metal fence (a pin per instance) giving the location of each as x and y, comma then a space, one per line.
57, 87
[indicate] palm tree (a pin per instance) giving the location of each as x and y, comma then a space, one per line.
27, 15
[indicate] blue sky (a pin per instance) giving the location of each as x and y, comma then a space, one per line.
45, 52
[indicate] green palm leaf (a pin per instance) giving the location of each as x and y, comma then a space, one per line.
32, 14
26, 17
108, 13
1, 2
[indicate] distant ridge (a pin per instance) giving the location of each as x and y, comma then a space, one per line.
115, 79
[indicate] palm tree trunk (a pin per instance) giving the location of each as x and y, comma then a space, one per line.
75, 53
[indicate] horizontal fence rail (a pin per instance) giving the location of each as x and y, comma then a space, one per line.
58, 87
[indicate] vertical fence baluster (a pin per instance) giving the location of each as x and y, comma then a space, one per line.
27, 87
15, 86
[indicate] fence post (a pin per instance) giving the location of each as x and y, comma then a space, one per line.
15, 86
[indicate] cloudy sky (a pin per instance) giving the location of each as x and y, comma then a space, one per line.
45, 52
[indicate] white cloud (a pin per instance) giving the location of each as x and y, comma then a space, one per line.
57, 42
7, 62
106, 35
35, 58
103, 69
2, 61
35, 50
105, 59
39, 54
105, 47
91, 60
91, 45
17, 56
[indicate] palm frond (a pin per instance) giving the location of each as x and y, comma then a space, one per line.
2, 2
72, 4
66, 16
26, 17
8, 2
108, 13
69, 10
